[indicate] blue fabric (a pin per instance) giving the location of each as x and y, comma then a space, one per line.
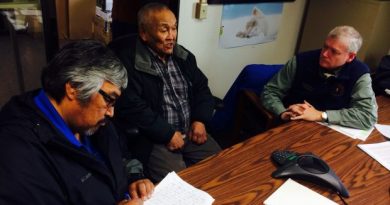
41, 154
44, 104
252, 77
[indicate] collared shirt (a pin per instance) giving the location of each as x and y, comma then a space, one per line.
176, 107
44, 104
363, 107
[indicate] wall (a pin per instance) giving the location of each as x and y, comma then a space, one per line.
379, 44
222, 66
370, 17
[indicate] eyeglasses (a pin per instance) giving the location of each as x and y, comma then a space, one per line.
109, 99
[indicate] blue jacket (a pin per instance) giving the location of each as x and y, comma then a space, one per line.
38, 165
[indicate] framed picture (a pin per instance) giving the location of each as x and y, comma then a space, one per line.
243, 1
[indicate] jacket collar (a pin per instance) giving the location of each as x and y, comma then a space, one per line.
143, 62
22, 111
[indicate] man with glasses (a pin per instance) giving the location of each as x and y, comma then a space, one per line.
57, 145
328, 84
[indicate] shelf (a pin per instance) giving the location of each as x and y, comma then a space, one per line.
20, 4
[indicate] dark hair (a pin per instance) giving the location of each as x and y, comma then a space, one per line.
85, 65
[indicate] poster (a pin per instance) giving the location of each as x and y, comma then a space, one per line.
249, 24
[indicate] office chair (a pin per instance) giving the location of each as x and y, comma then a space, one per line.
243, 114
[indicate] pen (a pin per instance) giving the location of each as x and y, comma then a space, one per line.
127, 196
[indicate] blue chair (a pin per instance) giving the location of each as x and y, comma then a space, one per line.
248, 86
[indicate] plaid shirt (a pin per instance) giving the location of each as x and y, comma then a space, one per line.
176, 107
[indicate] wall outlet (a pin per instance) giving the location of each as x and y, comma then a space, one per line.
201, 10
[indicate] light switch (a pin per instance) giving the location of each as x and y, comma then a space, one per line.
201, 10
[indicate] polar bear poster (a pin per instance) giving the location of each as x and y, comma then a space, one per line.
248, 24
256, 25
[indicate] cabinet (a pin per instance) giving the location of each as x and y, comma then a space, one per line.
75, 18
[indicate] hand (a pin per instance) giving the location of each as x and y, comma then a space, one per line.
299, 108
198, 132
131, 202
309, 113
176, 142
141, 189
294, 111
286, 115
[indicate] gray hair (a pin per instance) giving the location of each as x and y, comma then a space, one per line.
143, 15
350, 34
85, 65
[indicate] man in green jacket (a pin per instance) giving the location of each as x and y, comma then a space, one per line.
328, 85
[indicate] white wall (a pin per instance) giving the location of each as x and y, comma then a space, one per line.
222, 66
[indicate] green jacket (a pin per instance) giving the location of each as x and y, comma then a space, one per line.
361, 113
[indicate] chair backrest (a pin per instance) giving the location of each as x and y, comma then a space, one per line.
252, 77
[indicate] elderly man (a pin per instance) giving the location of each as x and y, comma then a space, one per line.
57, 145
328, 85
168, 98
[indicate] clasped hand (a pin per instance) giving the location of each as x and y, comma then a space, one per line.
301, 111
197, 134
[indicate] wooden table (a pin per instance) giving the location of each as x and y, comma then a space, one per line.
241, 174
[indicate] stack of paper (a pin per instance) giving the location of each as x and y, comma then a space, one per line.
379, 151
172, 190
293, 193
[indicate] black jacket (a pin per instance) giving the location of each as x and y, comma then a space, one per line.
141, 103
38, 165
381, 79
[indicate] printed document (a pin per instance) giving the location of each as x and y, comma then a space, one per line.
293, 193
350, 132
172, 190
379, 151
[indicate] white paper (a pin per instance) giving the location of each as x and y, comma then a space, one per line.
379, 151
387, 91
350, 132
172, 190
383, 129
293, 193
